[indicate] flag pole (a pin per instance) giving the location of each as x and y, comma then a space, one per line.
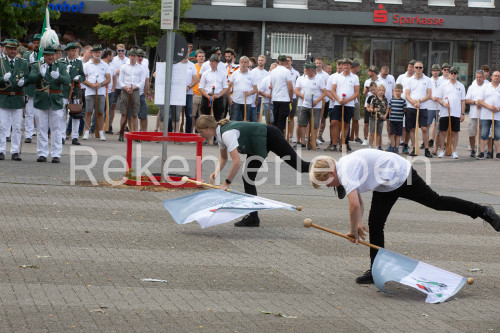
186, 179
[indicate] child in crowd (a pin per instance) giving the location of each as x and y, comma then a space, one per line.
379, 108
397, 109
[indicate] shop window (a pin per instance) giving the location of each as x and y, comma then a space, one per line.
464, 57
440, 53
298, 4
229, 2
381, 52
401, 57
290, 44
358, 48
441, 2
482, 3
338, 48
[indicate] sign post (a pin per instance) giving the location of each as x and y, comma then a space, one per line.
170, 13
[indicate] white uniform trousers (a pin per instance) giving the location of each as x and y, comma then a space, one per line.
45, 120
8, 118
29, 117
75, 124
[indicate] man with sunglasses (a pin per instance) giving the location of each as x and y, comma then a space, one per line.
116, 64
452, 98
433, 106
446, 71
403, 80
418, 92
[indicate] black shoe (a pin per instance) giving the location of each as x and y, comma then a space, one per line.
248, 221
348, 148
109, 132
2, 156
497, 156
16, 157
120, 138
491, 217
413, 152
80, 133
41, 159
56, 160
358, 140
480, 156
488, 154
75, 142
428, 153
422, 146
63, 141
366, 278
7, 139
431, 143
340, 190
473, 153
27, 140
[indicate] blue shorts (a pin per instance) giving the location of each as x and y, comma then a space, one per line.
336, 113
397, 128
143, 109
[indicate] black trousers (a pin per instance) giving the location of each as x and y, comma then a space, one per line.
281, 110
218, 107
420, 192
277, 144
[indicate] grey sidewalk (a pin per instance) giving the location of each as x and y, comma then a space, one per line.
86, 249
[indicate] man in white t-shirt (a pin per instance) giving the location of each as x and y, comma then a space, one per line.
433, 106
329, 105
244, 86
282, 93
390, 177
260, 73
143, 91
403, 79
311, 89
474, 94
490, 103
116, 64
325, 105
293, 109
452, 98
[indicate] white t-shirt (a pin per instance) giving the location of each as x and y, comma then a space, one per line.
403, 79
259, 74
295, 76
299, 85
280, 77
455, 94
191, 71
372, 170
491, 96
418, 90
145, 68
217, 79
264, 87
324, 75
229, 140
312, 90
475, 93
116, 64
389, 82
378, 81
95, 73
435, 86
242, 82
345, 85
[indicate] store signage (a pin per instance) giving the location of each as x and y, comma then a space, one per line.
381, 16
63, 7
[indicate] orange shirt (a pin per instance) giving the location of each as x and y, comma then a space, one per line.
195, 88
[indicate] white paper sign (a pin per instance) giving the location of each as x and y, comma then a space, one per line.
177, 88
167, 15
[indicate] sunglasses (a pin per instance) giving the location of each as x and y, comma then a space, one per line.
121, 50
453, 73
140, 56
446, 69
418, 67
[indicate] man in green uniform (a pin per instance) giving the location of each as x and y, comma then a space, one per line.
75, 71
29, 90
13, 75
49, 77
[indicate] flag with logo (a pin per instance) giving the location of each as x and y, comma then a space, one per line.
438, 284
212, 207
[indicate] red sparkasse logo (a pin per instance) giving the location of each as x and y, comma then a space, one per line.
380, 14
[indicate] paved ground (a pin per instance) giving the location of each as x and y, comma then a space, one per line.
72, 257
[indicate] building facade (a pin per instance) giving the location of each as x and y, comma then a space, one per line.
464, 33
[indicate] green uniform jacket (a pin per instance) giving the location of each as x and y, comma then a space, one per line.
74, 69
44, 99
29, 89
21, 70
253, 137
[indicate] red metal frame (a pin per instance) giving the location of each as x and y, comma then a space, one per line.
172, 137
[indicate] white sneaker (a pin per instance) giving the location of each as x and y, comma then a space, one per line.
86, 135
101, 136
454, 155
293, 140
441, 154
365, 143
469, 148
318, 141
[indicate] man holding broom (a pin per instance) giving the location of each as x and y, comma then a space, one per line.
390, 177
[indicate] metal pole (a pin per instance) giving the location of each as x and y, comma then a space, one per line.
168, 83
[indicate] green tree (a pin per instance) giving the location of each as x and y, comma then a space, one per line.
137, 22
14, 19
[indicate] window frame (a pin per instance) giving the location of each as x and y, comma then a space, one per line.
294, 4
391, 2
442, 3
234, 3
295, 56
490, 4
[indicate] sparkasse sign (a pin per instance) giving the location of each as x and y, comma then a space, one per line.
381, 16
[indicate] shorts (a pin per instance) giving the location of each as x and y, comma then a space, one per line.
357, 112
293, 111
327, 107
367, 116
175, 113
196, 105
397, 128
472, 126
336, 113
431, 115
267, 109
135, 103
116, 96
486, 129
411, 118
305, 117
90, 104
455, 124
143, 108
380, 125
